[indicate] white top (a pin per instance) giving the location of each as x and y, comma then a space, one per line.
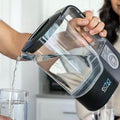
117, 44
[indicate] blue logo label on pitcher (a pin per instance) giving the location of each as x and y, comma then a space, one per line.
106, 85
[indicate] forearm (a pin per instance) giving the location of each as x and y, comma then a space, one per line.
4, 118
11, 41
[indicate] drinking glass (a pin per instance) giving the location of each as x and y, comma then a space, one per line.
13, 103
107, 113
92, 116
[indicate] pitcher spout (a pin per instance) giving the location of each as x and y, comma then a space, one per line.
26, 56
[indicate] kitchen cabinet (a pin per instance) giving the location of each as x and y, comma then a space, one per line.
56, 109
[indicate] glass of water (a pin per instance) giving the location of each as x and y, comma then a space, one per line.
13, 103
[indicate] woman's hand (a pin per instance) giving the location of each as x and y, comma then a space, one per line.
80, 31
4, 118
90, 24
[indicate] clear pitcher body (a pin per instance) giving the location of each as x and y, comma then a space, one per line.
86, 66
69, 59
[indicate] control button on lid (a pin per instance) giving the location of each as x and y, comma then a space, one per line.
113, 60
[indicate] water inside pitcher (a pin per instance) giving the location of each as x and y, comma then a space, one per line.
68, 57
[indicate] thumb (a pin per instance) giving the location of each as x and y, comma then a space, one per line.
77, 22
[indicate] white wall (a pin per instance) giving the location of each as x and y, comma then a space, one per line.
83, 5
6, 64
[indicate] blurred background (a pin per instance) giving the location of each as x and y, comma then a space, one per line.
47, 101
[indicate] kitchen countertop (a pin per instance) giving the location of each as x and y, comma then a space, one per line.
55, 95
